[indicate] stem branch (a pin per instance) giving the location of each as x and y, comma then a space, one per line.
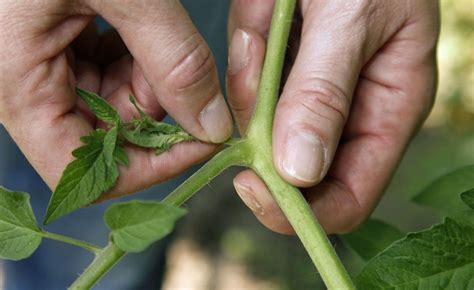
85, 245
110, 255
237, 154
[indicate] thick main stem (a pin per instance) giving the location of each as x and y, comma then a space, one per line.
260, 130
313, 237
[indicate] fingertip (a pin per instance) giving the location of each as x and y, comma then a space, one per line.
246, 55
256, 196
216, 120
301, 158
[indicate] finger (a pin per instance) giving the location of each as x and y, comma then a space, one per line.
176, 62
122, 79
256, 196
116, 74
255, 14
246, 53
394, 95
317, 96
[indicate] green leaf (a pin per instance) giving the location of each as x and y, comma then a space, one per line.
443, 193
468, 197
441, 257
20, 236
148, 133
137, 224
99, 107
465, 216
371, 238
120, 156
86, 178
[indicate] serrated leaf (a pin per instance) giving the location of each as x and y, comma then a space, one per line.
443, 193
468, 197
86, 178
137, 224
99, 107
371, 238
161, 142
465, 216
148, 133
120, 156
441, 257
20, 235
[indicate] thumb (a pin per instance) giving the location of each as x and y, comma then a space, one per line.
315, 103
176, 62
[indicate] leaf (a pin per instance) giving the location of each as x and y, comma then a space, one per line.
371, 238
120, 156
99, 107
86, 178
442, 194
161, 142
441, 257
20, 236
468, 197
465, 216
137, 224
148, 133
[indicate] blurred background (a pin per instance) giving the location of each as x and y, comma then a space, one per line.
220, 245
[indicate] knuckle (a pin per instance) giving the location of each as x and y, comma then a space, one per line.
350, 224
192, 66
323, 100
354, 217
352, 211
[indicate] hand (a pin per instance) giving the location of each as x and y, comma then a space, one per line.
170, 69
360, 80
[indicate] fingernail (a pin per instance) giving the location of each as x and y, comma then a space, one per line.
239, 52
304, 156
216, 121
248, 197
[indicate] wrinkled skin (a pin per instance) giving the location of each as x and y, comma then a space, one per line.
360, 79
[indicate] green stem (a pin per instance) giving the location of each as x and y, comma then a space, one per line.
105, 259
288, 197
102, 263
238, 154
269, 87
306, 226
85, 245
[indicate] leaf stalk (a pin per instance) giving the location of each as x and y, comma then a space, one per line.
85, 245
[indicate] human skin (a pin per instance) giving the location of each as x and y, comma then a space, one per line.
360, 80
361, 70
